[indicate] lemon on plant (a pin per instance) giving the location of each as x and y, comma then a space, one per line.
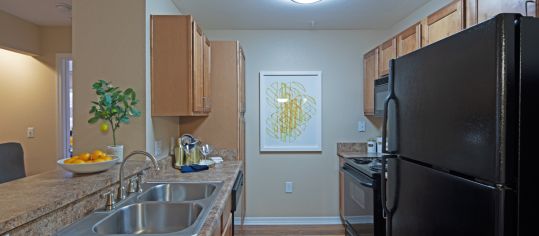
104, 127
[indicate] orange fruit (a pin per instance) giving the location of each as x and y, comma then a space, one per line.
107, 158
78, 162
84, 156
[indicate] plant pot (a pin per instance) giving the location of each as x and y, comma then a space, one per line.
116, 152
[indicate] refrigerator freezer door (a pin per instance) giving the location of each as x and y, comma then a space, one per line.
456, 106
436, 203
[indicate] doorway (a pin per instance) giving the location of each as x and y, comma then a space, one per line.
65, 105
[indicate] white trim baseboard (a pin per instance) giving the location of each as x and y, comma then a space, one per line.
329, 220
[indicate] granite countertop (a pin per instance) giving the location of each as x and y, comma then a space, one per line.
29, 198
352, 150
26, 199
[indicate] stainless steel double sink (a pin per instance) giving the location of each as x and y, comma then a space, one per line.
165, 208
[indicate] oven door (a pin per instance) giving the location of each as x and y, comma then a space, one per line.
358, 202
380, 94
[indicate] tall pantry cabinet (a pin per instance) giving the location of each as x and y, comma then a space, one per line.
224, 127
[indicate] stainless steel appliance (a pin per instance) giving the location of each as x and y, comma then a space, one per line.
462, 157
380, 94
362, 201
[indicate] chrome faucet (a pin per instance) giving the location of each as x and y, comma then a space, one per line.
121, 189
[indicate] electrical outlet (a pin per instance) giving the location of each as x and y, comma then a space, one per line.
30, 132
288, 187
361, 126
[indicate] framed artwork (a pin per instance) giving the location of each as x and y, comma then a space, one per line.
290, 111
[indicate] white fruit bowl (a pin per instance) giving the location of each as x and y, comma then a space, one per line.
87, 167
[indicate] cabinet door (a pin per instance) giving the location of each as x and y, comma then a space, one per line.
341, 188
478, 11
387, 51
207, 75
227, 230
443, 23
241, 72
409, 40
370, 73
198, 69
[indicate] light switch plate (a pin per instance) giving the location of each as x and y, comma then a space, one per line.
289, 187
361, 126
30, 132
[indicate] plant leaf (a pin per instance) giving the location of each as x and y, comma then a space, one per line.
93, 120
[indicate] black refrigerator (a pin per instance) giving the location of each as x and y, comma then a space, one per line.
459, 133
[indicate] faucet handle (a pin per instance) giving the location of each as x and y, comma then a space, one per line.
110, 200
139, 182
132, 185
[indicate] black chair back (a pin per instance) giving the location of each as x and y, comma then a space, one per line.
11, 162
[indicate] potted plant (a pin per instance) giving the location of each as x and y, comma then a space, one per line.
113, 107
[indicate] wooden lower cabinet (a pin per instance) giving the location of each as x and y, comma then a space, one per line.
341, 189
224, 228
227, 230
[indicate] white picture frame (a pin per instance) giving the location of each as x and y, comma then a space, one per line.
290, 111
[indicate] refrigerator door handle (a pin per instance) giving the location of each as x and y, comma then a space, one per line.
387, 213
391, 96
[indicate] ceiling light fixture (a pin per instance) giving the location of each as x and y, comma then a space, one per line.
306, 1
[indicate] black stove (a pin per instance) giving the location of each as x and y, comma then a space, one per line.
370, 166
362, 196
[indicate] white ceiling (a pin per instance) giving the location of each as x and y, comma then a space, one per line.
284, 14
39, 12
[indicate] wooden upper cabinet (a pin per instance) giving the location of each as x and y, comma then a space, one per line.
198, 69
370, 73
207, 75
409, 40
478, 11
443, 23
387, 51
178, 67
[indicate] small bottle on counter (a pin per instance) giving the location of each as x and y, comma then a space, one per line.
179, 156
379, 144
371, 146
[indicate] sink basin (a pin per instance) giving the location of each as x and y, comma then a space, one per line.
178, 192
165, 208
149, 218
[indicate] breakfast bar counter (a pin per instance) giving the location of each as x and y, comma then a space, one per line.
45, 203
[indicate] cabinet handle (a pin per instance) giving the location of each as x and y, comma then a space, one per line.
526, 5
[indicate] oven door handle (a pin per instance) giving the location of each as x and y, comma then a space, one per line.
351, 173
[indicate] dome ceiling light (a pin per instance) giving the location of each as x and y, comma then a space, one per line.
306, 1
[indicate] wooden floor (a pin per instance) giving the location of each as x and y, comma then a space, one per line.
289, 230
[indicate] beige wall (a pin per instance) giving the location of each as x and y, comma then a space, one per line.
338, 54
18, 35
108, 44
112, 43
28, 97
